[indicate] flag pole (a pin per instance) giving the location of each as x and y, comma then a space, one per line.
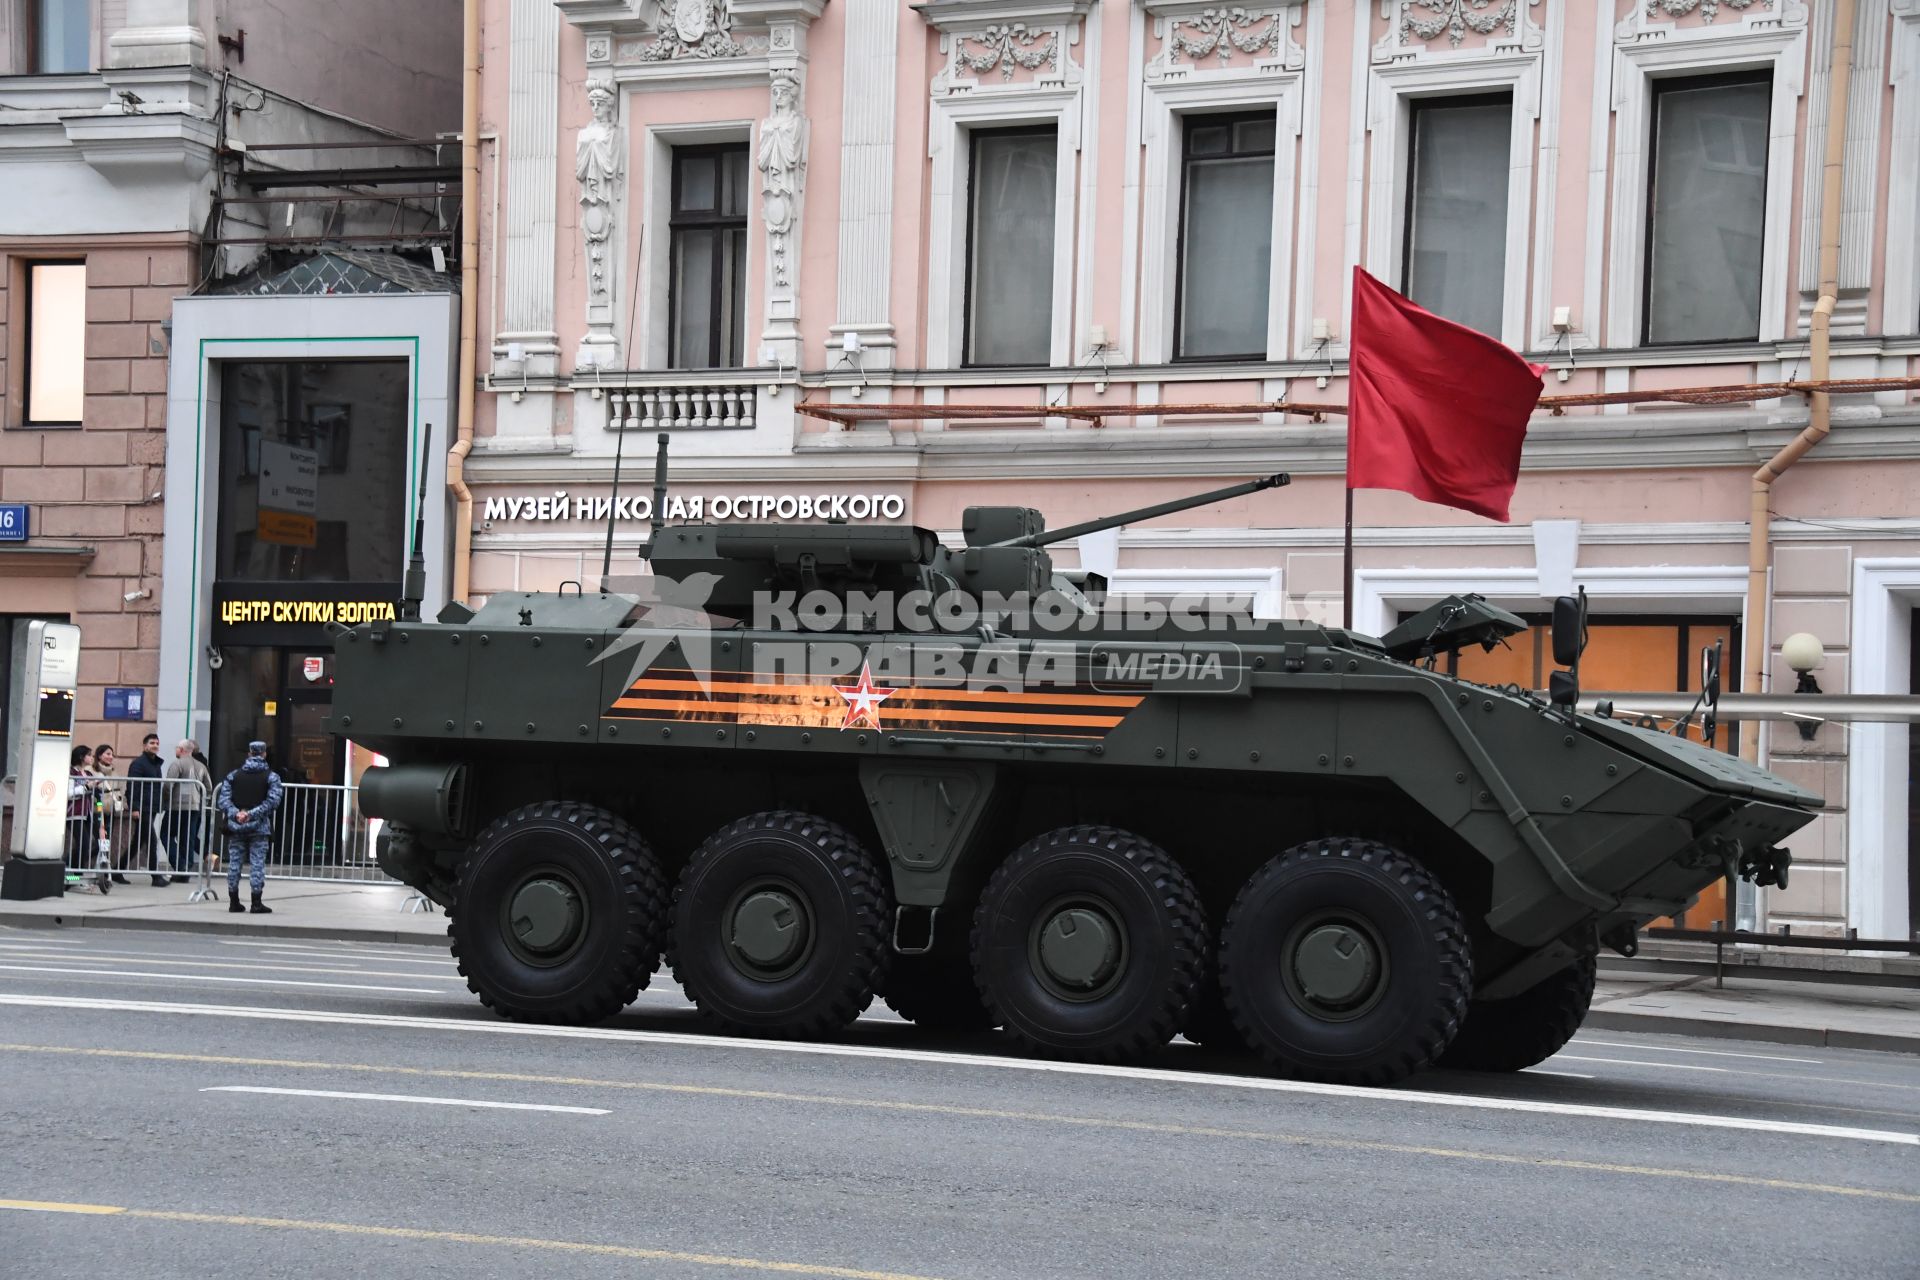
1346, 558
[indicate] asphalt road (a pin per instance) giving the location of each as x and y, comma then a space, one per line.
195, 1107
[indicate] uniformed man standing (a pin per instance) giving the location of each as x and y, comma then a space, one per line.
247, 799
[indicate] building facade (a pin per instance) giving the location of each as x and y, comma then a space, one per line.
153, 150
719, 217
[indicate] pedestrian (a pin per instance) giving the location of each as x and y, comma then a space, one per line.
80, 826
110, 812
247, 800
144, 806
190, 784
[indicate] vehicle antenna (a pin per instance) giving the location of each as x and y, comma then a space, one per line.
659, 492
414, 588
613, 505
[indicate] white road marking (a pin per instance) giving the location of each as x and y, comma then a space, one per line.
1542, 1071
408, 1097
108, 957
216, 977
1352, 1093
1635, 1062
436, 952
1709, 1053
369, 957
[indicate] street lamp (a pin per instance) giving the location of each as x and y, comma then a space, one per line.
1803, 652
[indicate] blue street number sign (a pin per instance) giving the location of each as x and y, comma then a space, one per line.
126, 704
13, 522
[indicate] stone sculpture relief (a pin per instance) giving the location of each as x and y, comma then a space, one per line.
599, 168
782, 161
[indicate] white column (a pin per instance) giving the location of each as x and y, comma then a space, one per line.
868, 105
1860, 166
531, 209
159, 33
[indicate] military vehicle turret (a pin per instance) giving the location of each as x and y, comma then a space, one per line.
810, 765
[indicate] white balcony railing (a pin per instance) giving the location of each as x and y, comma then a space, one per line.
682, 407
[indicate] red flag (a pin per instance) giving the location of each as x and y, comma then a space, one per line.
1435, 409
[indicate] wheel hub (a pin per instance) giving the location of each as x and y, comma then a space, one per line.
1335, 968
544, 915
1080, 948
769, 929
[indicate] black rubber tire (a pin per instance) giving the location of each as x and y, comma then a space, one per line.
1148, 894
850, 904
936, 992
626, 914
1521, 1031
1429, 970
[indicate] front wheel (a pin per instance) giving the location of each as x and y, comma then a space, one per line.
1345, 960
1524, 1030
559, 914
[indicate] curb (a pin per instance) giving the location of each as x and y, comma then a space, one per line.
1764, 1033
236, 928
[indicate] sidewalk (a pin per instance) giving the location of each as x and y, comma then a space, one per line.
1779, 1010
1751, 1007
341, 912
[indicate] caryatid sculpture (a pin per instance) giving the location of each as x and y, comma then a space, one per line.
599, 168
782, 161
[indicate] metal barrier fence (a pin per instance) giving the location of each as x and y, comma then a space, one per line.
319, 833
121, 828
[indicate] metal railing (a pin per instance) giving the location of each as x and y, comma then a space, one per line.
319, 833
1721, 939
120, 829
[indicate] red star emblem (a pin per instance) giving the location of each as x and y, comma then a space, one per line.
863, 701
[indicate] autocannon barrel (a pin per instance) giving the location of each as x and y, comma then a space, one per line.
1274, 481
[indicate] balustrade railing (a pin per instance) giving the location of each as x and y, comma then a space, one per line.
686, 407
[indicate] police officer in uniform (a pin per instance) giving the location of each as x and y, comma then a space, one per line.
247, 799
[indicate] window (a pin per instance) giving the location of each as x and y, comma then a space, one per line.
1010, 246
56, 347
1226, 237
1456, 236
313, 470
58, 33
1707, 202
707, 292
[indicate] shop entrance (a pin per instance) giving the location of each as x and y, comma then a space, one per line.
280, 696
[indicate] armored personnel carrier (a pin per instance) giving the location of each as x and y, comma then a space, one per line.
811, 765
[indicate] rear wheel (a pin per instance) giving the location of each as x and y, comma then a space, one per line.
779, 926
559, 914
1522, 1030
1345, 960
1089, 942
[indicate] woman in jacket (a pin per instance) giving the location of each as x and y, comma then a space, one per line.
110, 807
80, 839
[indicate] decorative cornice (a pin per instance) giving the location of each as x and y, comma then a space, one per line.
987, 42
948, 16
691, 39
1659, 19
1415, 25
1709, 9
1214, 34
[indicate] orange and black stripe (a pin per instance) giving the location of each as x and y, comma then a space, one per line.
742, 700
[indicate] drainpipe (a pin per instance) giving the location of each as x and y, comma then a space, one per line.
469, 296
1819, 413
